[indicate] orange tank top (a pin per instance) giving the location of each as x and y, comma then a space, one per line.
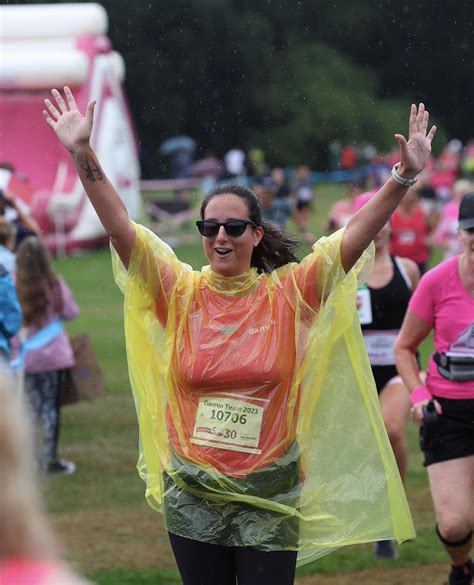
236, 396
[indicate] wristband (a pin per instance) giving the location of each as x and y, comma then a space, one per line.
419, 394
401, 180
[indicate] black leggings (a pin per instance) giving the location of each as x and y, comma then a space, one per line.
44, 392
201, 563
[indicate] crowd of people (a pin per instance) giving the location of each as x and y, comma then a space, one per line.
427, 217
242, 372
34, 301
397, 312
35, 353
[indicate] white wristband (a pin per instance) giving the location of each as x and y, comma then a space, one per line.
401, 180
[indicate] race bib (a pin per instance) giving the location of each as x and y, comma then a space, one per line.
407, 238
364, 306
380, 347
229, 421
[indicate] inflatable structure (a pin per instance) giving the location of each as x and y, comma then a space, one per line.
52, 45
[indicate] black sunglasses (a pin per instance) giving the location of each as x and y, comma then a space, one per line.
234, 227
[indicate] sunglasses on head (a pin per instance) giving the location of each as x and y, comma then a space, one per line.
234, 227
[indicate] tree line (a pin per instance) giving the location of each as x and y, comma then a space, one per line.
289, 76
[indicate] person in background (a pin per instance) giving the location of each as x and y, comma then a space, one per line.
467, 160
180, 163
281, 196
45, 298
446, 234
446, 170
343, 209
382, 304
10, 313
209, 169
444, 303
348, 157
411, 230
304, 195
18, 214
256, 165
7, 242
334, 155
276, 208
280, 183
28, 552
234, 161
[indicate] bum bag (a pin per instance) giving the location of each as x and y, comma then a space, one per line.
455, 368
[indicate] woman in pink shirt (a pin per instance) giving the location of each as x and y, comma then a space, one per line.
444, 303
342, 210
44, 298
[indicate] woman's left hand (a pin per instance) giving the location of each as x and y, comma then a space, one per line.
415, 152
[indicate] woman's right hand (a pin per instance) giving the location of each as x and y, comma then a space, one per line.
71, 127
416, 411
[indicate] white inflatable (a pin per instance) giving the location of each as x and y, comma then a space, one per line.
52, 45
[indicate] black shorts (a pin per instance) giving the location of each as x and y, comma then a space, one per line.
303, 205
382, 375
456, 431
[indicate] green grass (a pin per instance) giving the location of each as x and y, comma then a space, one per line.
128, 577
100, 514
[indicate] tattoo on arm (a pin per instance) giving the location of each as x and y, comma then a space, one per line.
92, 169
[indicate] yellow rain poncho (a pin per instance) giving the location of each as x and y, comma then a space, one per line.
259, 420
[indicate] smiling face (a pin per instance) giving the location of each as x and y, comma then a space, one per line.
230, 256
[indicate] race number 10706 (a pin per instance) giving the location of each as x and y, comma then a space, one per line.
233, 417
229, 422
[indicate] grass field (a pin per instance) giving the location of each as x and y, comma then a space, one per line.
100, 514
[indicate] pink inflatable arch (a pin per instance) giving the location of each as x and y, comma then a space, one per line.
52, 45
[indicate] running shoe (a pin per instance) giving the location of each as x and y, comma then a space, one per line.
386, 549
462, 578
61, 467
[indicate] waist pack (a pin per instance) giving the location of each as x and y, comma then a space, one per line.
455, 368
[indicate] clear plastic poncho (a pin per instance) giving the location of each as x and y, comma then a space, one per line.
259, 419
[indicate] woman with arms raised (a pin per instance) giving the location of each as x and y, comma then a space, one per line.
261, 435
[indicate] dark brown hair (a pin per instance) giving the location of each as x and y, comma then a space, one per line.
7, 232
37, 283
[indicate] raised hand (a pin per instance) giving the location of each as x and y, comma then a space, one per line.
415, 152
72, 128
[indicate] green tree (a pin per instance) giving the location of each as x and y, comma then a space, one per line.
314, 95
291, 75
